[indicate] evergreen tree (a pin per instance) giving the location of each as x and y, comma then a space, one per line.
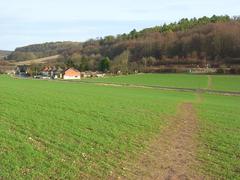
104, 64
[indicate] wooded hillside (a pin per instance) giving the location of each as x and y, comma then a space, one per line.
214, 41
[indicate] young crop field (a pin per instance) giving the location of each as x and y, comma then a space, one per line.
212, 82
220, 135
226, 83
72, 130
164, 80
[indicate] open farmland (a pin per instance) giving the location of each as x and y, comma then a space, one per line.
52, 129
212, 82
220, 135
163, 80
226, 83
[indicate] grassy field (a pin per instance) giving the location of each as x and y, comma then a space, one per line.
220, 136
164, 80
77, 130
225, 83
57, 129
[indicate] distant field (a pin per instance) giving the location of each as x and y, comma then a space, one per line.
164, 80
62, 130
224, 82
37, 61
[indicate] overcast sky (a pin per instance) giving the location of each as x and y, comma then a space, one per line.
24, 22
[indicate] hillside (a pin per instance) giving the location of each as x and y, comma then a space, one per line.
189, 42
4, 54
42, 50
37, 61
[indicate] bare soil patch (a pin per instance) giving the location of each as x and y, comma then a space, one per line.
172, 155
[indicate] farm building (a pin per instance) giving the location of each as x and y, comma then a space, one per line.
46, 71
22, 71
72, 73
58, 73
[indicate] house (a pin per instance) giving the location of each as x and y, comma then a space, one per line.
72, 73
46, 72
58, 73
22, 71
49, 72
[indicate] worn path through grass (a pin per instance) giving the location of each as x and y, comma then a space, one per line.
209, 82
173, 154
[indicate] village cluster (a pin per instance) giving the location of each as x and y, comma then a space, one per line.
57, 73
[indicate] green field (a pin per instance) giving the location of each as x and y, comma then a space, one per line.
220, 135
69, 130
164, 80
226, 83
63, 130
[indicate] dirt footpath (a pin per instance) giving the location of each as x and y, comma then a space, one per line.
209, 82
172, 155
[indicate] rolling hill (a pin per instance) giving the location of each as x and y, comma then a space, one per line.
192, 42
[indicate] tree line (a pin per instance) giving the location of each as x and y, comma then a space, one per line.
208, 40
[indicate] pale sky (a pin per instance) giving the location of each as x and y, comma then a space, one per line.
24, 22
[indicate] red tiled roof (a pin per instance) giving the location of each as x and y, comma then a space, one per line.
72, 72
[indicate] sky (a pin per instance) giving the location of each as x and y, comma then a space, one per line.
24, 22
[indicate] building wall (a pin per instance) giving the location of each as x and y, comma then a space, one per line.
71, 77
